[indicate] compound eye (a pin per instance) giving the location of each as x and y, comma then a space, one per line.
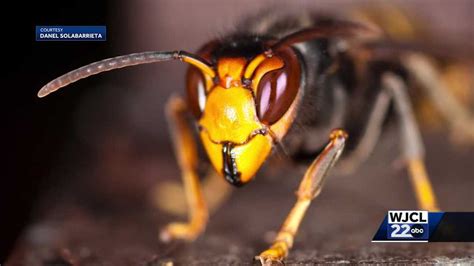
274, 96
196, 91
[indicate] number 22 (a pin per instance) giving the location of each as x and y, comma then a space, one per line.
397, 228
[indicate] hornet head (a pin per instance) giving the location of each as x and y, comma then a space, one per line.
244, 108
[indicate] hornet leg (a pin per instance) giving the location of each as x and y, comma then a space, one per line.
372, 133
458, 116
185, 150
412, 145
309, 188
167, 196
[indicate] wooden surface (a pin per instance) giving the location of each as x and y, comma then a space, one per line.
91, 230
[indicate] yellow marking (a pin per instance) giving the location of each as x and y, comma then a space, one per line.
214, 152
230, 115
230, 71
422, 185
209, 83
266, 66
248, 157
253, 65
200, 65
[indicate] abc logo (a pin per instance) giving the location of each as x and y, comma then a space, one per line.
417, 230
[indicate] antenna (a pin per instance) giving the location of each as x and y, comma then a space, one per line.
124, 61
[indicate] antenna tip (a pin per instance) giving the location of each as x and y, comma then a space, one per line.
43, 92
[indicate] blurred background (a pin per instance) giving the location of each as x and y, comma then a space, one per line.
101, 144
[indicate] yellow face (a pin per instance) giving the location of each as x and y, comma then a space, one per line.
234, 136
230, 134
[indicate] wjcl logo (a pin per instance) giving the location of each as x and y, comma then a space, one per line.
408, 225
